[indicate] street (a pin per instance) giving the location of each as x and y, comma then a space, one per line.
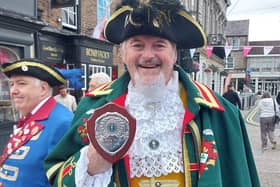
268, 162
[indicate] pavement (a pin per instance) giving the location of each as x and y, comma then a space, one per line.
267, 162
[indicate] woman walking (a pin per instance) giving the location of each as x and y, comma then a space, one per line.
267, 109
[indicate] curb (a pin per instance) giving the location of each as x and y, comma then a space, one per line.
249, 117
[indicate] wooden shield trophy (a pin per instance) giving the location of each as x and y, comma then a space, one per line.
111, 130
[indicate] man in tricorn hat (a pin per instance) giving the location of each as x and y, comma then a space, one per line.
186, 135
42, 123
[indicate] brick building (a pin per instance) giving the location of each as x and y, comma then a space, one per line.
61, 34
57, 32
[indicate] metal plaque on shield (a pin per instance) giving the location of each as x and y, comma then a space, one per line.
111, 130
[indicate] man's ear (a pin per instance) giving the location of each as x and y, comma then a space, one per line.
122, 52
175, 54
45, 87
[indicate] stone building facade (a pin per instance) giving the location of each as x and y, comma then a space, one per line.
237, 34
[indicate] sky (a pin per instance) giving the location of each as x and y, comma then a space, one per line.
264, 16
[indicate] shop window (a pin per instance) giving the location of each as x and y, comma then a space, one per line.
84, 75
7, 55
95, 69
7, 111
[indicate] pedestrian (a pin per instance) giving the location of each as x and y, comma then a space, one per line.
66, 99
98, 79
278, 98
186, 134
43, 122
232, 96
267, 110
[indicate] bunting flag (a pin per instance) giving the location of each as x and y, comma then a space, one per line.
267, 49
209, 50
246, 50
228, 49
192, 51
98, 30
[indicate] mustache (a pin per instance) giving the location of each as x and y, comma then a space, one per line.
153, 61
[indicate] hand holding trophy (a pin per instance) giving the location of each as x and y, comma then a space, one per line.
111, 130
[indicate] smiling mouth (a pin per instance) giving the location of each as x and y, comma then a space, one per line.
147, 66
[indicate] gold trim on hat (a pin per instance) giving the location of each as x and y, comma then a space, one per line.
35, 64
196, 24
115, 14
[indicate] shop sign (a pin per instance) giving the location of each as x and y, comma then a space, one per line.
51, 53
96, 56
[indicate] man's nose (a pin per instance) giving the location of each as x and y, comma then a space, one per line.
148, 53
13, 90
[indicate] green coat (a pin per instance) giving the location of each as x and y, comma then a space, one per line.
216, 148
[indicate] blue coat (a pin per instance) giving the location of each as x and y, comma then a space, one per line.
22, 159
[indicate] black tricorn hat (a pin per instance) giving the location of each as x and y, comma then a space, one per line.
34, 68
163, 18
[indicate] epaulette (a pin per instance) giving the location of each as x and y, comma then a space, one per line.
103, 89
208, 97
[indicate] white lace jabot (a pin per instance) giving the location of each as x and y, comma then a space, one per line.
157, 146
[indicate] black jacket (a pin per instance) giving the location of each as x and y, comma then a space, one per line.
233, 97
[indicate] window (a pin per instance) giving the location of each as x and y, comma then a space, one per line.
69, 17
96, 68
84, 75
229, 63
235, 44
103, 10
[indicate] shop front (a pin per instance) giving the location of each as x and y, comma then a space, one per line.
78, 56
16, 42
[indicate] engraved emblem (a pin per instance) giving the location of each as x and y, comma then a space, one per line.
111, 130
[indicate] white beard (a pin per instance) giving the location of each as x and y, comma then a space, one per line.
159, 114
150, 90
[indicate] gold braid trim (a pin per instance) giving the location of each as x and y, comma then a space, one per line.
190, 18
35, 64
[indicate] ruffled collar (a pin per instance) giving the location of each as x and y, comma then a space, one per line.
157, 146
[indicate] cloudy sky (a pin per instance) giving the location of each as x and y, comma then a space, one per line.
264, 16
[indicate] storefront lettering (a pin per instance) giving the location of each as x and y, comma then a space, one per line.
97, 53
52, 49
52, 53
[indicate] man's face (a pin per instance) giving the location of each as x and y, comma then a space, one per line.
147, 57
92, 85
63, 92
26, 92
